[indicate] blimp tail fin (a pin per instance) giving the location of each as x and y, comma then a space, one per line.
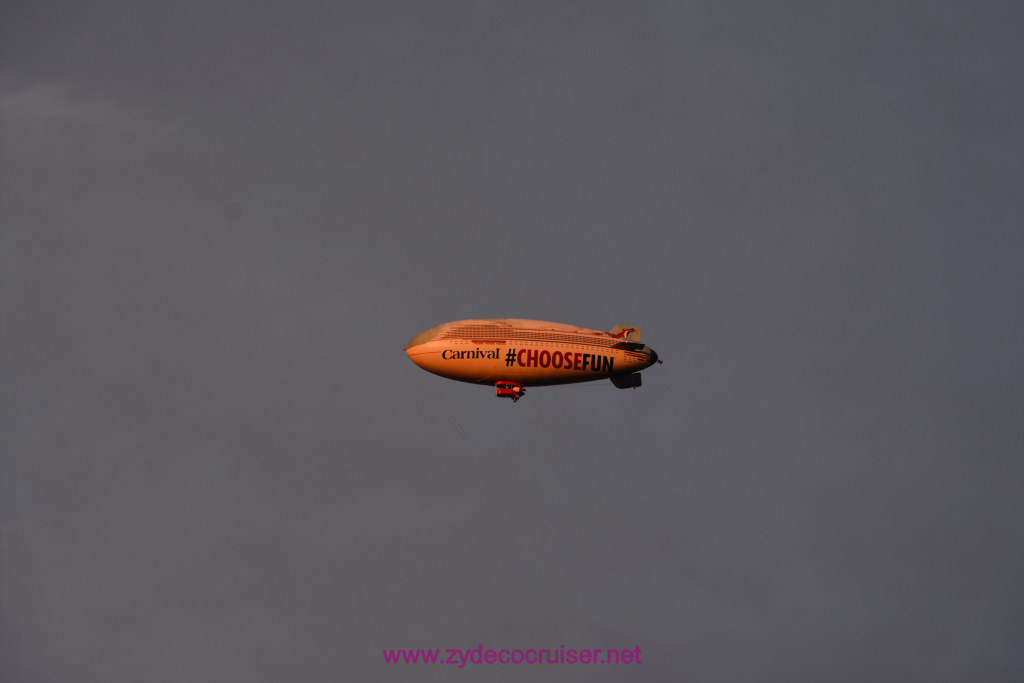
627, 381
627, 332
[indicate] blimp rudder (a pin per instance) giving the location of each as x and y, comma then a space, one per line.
627, 381
627, 332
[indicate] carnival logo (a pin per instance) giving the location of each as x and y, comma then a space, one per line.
448, 354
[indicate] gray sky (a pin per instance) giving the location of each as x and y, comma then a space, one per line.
221, 223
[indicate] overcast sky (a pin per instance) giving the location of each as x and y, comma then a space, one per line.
222, 222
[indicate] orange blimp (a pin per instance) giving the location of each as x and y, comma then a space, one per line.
512, 354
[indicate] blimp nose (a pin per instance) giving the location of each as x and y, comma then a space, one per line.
416, 349
426, 335
652, 357
416, 354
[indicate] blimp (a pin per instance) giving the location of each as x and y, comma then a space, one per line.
513, 353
